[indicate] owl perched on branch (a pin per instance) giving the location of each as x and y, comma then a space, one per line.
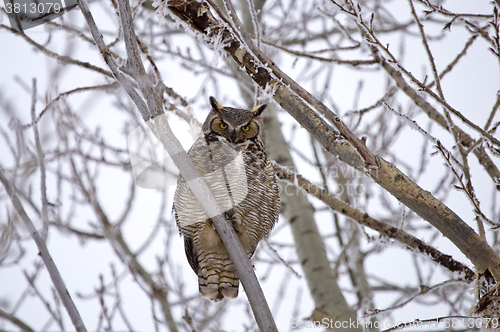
230, 156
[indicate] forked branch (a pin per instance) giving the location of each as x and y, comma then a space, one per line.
198, 17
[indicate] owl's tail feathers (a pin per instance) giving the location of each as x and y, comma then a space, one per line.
219, 283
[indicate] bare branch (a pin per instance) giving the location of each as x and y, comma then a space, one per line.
16, 321
124, 252
315, 57
62, 58
152, 112
309, 244
47, 259
467, 141
377, 225
373, 40
41, 165
387, 175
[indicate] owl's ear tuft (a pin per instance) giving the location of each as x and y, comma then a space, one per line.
259, 109
215, 104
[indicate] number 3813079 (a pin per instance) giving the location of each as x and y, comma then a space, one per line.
33, 8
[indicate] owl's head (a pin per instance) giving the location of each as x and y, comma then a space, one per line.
235, 124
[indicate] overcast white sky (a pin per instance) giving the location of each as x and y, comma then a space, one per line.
81, 265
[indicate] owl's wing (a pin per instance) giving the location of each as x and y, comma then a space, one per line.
188, 234
190, 254
274, 195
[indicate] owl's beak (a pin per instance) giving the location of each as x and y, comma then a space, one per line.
233, 136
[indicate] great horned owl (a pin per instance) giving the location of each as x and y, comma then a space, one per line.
231, 157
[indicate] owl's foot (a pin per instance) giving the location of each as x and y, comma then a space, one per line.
229, 215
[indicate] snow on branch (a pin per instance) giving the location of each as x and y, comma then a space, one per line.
377, 225
297, 101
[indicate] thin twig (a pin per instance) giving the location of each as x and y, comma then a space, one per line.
16, 321
455, 61
62, 58
377, 225
67, 93
445, 12
47, 259
423, 290
493, 112
256, 26
373, 40
315, 57
428, 50
41, 165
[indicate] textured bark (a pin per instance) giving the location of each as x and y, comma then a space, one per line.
309, 245
377, 225
265, 73
308, 242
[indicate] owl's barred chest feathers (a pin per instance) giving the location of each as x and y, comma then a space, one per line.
231, 158
245, 212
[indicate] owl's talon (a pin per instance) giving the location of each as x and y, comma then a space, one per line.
229, 215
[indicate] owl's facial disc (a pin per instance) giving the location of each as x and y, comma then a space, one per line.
236, 135
245, 132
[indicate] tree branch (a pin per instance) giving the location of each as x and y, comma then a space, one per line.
377, 225
62, 58
41, 165
394, 71
264, 61
198, 17
114, 234
47, 259
16, 321
152, 113
321, 279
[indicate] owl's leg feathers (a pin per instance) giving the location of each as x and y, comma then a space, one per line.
217, 277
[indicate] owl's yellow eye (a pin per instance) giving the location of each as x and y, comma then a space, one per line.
223, 125
245, 128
